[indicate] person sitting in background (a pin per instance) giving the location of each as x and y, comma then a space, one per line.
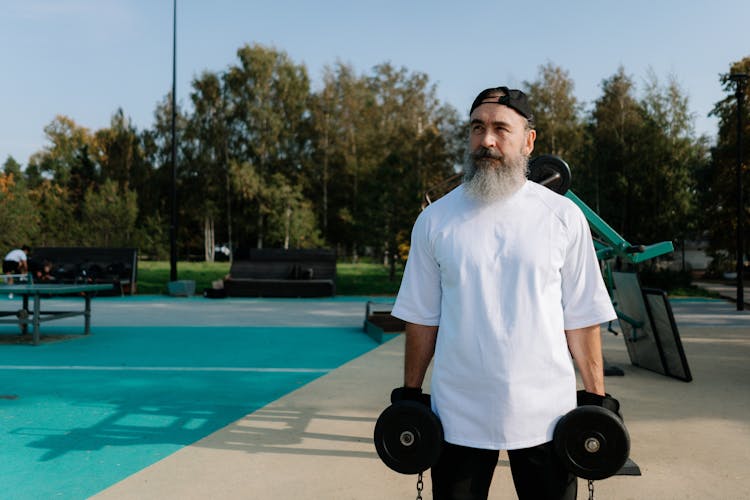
44, 272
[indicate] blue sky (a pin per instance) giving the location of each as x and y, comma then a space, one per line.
86, 58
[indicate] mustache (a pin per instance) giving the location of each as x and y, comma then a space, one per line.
482, 152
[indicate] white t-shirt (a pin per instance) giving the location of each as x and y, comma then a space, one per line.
16, 255
503, 282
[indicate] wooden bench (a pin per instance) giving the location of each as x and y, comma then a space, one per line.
89, 265
275, 272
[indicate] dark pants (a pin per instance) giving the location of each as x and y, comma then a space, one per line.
466, 473
10, 267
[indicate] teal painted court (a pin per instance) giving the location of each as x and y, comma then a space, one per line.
79, 414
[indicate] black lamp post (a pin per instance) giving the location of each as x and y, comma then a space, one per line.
739, 79
173, 188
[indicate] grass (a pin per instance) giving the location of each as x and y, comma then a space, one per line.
366, 279
351, 279
692, 291
154, 275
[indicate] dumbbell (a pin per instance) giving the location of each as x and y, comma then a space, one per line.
592, 442
550, 171
408, 437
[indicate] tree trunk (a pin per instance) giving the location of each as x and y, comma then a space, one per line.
209, 239
229, 208
259, 241
288, 225
325, 177
392, 267
355, 195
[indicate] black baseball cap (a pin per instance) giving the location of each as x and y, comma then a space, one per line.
513, 98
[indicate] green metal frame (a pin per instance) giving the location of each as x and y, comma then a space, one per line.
608, 245
614, 245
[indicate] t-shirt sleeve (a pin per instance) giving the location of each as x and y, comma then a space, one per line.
419, 296
584, 296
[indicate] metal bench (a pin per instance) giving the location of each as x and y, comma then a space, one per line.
272, 272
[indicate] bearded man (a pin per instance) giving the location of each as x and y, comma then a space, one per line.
501, 287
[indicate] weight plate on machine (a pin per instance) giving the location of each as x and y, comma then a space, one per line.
408, 437
592, 442
550, 171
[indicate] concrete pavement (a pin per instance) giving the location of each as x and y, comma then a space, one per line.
691, 440
726, 290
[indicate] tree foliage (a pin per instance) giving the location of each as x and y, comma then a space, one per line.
109, 214
557, 114
18, 218
58, 224
719, 200
263, 159
640, 160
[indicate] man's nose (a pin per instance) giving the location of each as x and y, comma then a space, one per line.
489, 140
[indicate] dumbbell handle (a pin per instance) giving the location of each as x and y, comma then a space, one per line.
549, 180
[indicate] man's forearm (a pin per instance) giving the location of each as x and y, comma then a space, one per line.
420, 347
585, 346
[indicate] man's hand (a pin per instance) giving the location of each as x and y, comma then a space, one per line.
584, 398
410, 394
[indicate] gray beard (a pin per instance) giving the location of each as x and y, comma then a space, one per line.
489, 178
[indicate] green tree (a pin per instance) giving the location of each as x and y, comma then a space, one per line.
83, 174
208, 185
380, 141
408, 153
18, 219
58, 224
66, 161
151, 237
66, 141
641, 160
120, 154
675, 158
557, 113
12, 167
268, 101
291, 220
719, 180
155, 198
614, 169
126, 156
109, 214
342, 117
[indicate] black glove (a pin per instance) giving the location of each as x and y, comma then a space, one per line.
589, 398
410, 394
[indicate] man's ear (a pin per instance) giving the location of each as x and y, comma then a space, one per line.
530, 138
